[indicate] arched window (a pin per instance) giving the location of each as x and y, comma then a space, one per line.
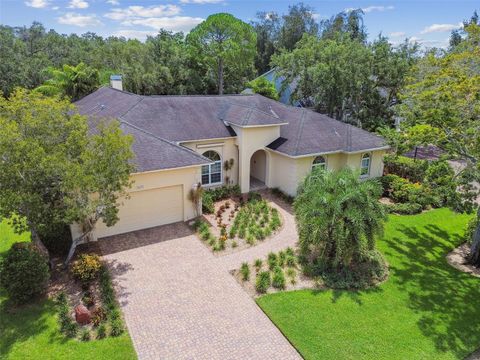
212, 173
365, 165
319, 162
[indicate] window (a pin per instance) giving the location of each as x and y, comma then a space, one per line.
365, 165
212, 173
319, 162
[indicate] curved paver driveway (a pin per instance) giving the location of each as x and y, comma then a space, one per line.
180, 302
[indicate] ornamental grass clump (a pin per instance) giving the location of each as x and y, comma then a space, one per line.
245, 271
278, 278
338, 218
262, 282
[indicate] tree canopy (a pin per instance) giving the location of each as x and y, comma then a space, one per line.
346, 79
51, 165
228, 45
441, 105
264, 87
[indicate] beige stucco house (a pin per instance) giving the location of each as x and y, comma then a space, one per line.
180, 141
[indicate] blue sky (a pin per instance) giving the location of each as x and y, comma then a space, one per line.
428, 22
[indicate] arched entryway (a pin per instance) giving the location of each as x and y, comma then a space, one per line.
258, 170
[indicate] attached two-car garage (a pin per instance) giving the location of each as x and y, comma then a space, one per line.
145, 209
156, 198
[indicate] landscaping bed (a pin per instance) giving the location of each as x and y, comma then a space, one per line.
278, 272
237, 223
412, 186
31, 331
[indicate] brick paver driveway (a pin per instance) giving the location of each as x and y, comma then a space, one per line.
180, 302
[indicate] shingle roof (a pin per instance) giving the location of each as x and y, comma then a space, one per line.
159, 123
153, 153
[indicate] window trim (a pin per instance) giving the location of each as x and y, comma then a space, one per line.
363, 157
219, 162
324, 164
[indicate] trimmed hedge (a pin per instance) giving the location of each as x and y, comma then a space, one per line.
216, 194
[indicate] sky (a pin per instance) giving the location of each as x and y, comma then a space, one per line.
428, 22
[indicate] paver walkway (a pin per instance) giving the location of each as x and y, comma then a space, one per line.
180, 302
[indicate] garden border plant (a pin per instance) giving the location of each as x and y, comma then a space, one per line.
106, 318
239, 222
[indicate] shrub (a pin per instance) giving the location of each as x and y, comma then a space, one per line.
291, 274
99, 315
281, 258
245, 271
282, 195
278, 279
413, 170
234, 244
221, 193
272, 260
207, 203
71, 329
101, 331
258, 264
439, 177
289, 251
24, 273
85, 335
405, 209
106, 290
254, 196
88, 299
116, 327
87, 267
470, 229
290, 261
262, 282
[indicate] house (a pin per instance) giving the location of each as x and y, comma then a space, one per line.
285, 90
180, 141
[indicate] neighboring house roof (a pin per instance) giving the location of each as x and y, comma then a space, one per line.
160, 123
428, 152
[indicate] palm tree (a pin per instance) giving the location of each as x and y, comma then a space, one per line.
72, 81
338, 218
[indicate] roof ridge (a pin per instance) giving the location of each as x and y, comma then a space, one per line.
166, 141
300, 131
247, 118
196, 95
122, 91
256, 109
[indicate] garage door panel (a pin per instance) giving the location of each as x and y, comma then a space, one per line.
145, 209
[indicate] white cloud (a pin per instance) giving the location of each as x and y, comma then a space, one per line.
55, 7
134, 12
135, 34
39, 4
201, 1
370, 9
78, 4
172, 23
79, 20
441, 28
397, 34
113, 2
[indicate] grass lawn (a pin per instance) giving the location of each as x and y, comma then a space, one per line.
425, 310
31, 332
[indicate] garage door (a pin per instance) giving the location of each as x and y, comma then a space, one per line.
145, 209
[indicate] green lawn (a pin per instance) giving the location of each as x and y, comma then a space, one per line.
426, 309
31, 332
